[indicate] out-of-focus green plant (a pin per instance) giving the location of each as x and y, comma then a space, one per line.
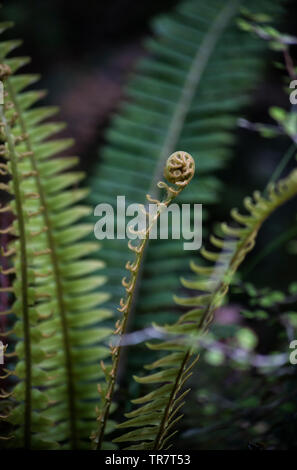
54, 378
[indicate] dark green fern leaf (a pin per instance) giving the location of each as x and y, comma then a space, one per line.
57, 301
185, 95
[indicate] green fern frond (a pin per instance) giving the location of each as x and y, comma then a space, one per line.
186, 94
179, 171
56, 297
158, 414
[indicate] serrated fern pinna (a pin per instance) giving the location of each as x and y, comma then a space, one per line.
185, 95
57, 300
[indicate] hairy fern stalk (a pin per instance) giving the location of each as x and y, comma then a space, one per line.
160, 408
54, 366
179, 171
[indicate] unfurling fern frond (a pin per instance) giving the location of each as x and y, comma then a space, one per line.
187, 93
55, 305
158, 414
179, 171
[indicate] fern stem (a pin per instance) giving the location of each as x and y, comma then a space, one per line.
159, 437
56, 272
179, 171
116, 358
24, 282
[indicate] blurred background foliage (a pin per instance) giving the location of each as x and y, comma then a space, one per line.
244, 389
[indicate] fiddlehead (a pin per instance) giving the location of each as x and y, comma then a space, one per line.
173, 103
179, 171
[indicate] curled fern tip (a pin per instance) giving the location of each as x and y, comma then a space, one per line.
179, 168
